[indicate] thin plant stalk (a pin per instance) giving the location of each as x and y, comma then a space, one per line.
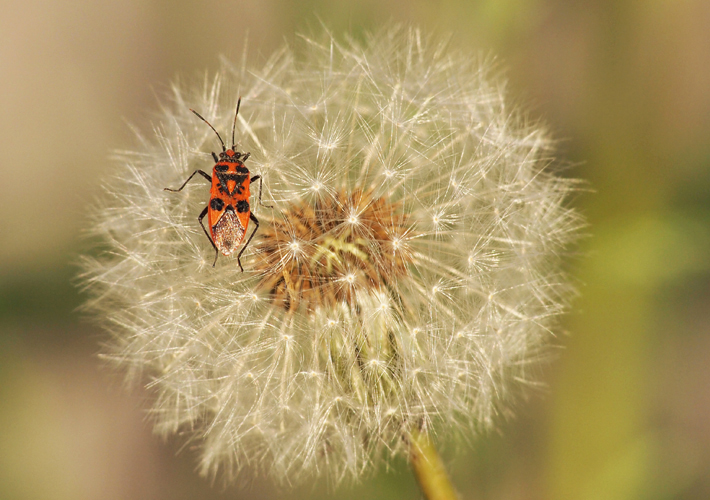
429, 468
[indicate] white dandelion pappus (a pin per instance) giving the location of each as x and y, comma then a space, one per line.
407, 277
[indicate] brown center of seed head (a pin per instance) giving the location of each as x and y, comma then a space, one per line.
320, 253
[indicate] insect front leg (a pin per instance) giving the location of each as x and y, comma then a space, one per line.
199, 219
203, 174
261, 184
239, 257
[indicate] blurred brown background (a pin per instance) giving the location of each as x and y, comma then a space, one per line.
624, 84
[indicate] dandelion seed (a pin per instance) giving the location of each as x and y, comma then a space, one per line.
406, 277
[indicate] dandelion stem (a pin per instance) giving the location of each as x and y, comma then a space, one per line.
429, 468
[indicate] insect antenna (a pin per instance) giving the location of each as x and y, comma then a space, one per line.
210, 125
234, 125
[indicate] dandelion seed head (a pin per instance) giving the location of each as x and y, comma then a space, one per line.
406, 277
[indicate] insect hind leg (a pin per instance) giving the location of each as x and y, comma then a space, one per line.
199, 219
239, 256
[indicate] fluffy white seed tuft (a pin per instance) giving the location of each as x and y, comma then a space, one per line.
406, 278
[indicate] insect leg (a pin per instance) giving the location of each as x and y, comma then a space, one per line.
203, 174
199, 219
261, 184
239, 257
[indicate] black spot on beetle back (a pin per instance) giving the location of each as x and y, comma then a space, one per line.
242, 206
216, 204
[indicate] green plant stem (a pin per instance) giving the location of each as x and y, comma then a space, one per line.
429, 468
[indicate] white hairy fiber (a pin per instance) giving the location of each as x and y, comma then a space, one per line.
406, 277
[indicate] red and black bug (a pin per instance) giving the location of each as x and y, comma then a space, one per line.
228, 209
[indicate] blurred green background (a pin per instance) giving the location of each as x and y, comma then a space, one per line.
624, 85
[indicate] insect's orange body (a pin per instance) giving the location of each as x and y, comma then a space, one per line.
229, 211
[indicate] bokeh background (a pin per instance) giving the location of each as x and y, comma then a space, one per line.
624, 85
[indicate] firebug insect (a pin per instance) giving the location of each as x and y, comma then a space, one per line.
228, 209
